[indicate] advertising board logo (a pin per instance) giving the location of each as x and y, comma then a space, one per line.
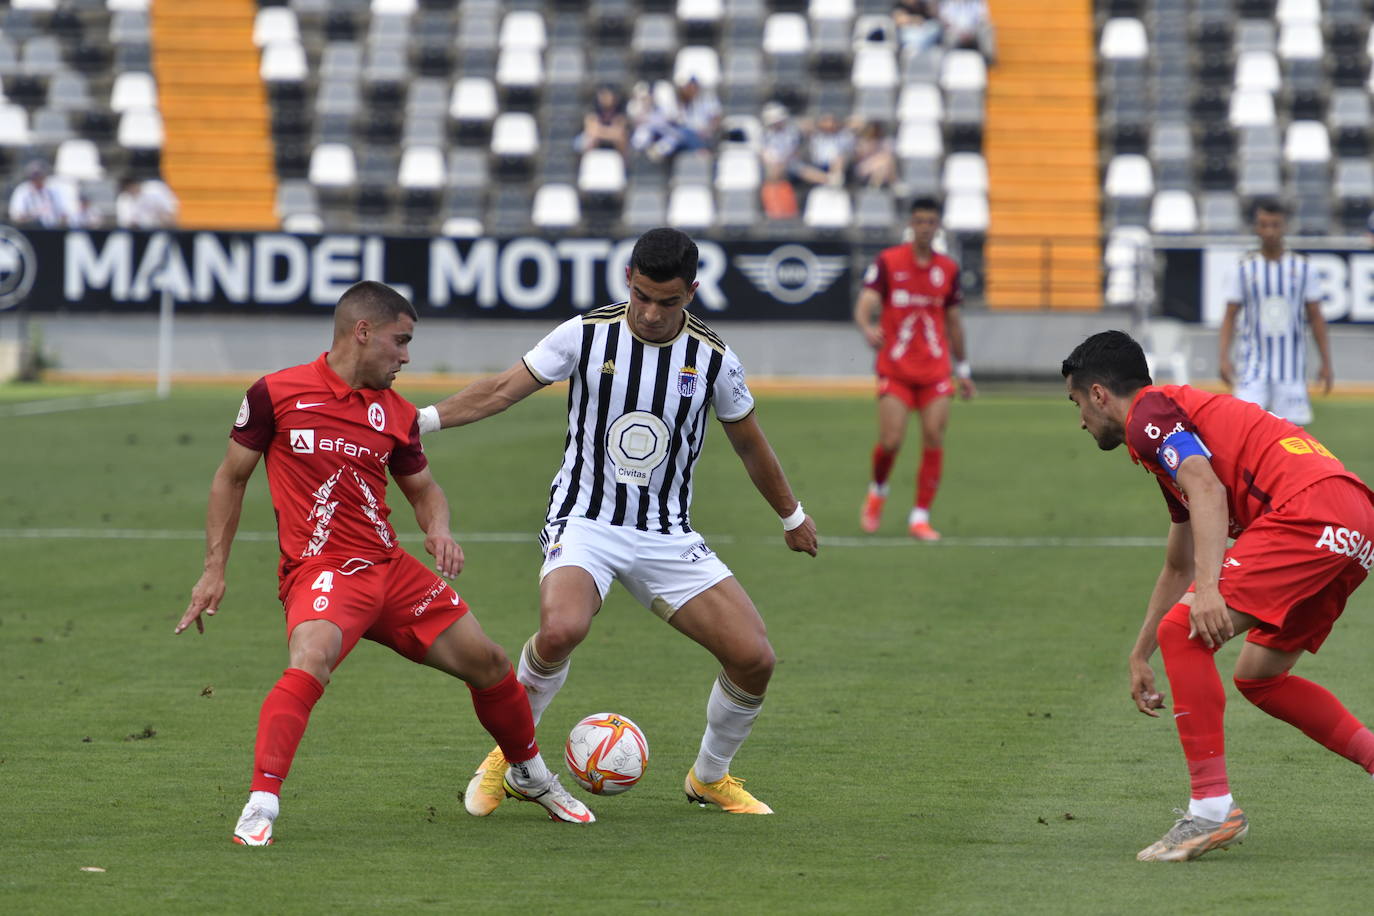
18, 266
792, 273
302, 441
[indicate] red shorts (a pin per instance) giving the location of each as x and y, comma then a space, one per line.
1294, 568
915, 396
398, 602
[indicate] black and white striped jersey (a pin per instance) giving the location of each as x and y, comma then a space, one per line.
1271, 327
636, 416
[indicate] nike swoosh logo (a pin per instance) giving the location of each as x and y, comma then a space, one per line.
302, 405
455, 599
579, 818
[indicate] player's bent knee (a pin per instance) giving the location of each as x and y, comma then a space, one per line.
1173, 629
559, 635
1259, 690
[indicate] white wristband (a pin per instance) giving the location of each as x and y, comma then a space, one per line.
963, 369
795, 519
429, 419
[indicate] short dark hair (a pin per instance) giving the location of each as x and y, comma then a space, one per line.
376, 302
662, 254
1268, 205
927, 203
1112, 359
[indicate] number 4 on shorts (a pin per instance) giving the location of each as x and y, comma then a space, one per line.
324, 582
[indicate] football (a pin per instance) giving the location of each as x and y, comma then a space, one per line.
607, 753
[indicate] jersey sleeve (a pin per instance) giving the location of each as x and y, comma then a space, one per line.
1177, 511
409, 457
731, 396
875, 278
1163, 435
555, 357
256, 423
956, 290
1233, 291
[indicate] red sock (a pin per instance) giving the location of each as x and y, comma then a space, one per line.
1313, 709
1199, 703
928, 476
504, 711
281, 723
882, 464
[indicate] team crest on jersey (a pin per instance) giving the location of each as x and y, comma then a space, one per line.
937, 275
376, 416
687, 381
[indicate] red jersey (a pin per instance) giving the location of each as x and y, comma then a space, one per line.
915, 297
328, 447
1261, 459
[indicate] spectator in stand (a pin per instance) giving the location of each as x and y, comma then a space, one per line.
918, 25
698, 115
780, 153
40, 202
829, 149
966, 24
145, 203
605, 125
670, 120
875, 161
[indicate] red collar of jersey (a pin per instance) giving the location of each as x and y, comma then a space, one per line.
331, 378
1130, 450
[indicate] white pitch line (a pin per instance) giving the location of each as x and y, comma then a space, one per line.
83, 402
515, 537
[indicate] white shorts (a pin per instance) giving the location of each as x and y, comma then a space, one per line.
662, 571
1284, 399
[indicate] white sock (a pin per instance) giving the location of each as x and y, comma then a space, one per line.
268, 803
730, 715
878, 489
1213, 809
919, 517
529, 773
542, 680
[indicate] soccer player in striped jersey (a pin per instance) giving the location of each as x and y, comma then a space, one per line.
642, 374
1273, 297
1304, 540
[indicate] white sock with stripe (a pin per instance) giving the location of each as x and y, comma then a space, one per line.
542, 680
730, 715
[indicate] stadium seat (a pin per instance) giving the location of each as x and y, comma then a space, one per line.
700, 63
786, 33
1252, 108
601, 171
875, 214
520, 74
296, 196
1123, 40
42, 56
1301, 42
556, 207
333, 165
79, 160
963, 70
920, 140
1259, 178
49, 126
644, 209
467, 169
874, 67
965, 173
523, 29
273, 24
828, 208
1258, 70
966, 212
700, 19
1173, 212
473, 108
133, 90
421, 167
1307, 141
1295, 12
1220, 213
1129, 176
140, 128
514, 142
691, 207
68, 91
654, 45
739, 212
282, 62
738, 170
837, 10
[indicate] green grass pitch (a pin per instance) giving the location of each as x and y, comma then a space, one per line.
948, 730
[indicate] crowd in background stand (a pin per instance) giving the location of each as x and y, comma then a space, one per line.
47, 202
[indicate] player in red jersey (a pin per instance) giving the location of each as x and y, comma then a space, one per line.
330, 430
916, 333
1304, 539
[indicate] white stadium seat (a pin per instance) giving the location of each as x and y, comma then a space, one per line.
79, 160
785, 33
1129, 175
691, 206
1298, 11
140, 128
462, 227
963, 70
842, 10
283, 62
966, 211
920, 102
514, 133
394, 7
1307, 141
1173, 212
874, 67
523, 29
421, 167
520, 67
920, 140
697, 61
965, 172
332, 165
1124, 39
601, 171
474, 99
738, 170
828, 208
1252, 108
14, 125
133, 89
556, 207
1302, 41
275, 23
1258, 70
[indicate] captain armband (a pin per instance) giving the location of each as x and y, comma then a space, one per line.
1179, 446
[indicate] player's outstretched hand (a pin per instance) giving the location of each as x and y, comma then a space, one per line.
205, 599
802, 538
1143, 688
1211, 621
448, 555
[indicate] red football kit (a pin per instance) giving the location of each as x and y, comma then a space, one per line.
1303, 524
328, 447
914, 363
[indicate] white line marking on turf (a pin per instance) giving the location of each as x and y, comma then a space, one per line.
58, 405
516, 537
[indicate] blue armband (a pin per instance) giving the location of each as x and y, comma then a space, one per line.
1177, 447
